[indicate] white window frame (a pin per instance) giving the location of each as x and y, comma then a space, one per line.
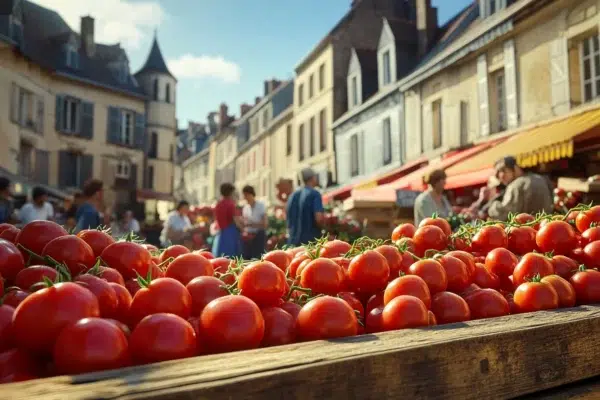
594, 74
354, 98
72, 56
386, 131
69, 105
386, 67
500, 82
127, 134
354, 156
123, 169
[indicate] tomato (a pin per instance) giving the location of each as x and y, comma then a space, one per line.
374, 320
521, 240
586, 283
220, 264
403, 231
173, 252
71, 251
11, 260
590, 235
354, 302
572, 217
592, 254
1, 286
557, 237
465, 257
129, 258
203, 290
14, 297
42, 315
342, 262
487, 303
278, 257
368, 272
37, 234
457, 273
376, 300
124, 300
322, 276
205, 253
10, 234
564, 266
449, 308
393, 257
564, 290
432, 319
532, 264
432, 272
29, 276
89, 345
578, 256
151, 248
404, 312
17, 365
162, 337
489, 238
429, 238
263, 282
232, 323
189, 266
107, 298
162, 295
111, 275
334, 248
132, 286
585, 219
524, 218
439, 222
501, 262
124, 328
470, 289
535, 296
4, 226
295, 264
326, 318
406, 244
280, 327
408, 285
96, 239
6, 330
292, 308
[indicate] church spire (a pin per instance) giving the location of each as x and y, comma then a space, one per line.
155, 61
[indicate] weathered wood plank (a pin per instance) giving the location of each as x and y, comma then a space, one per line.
588, 389
487, 359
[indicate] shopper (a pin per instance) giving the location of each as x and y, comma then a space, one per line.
130, 224
305, 211
432, 201
227, 242
38, 208
6, 204
87, 215
177, 226
254, 216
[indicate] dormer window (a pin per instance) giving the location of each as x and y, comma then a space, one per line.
354, 91
386, 67
387, 56
354, 81
72, 57
16, 31
490, 7
122, 72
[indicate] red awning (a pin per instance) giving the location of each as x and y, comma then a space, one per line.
475, 178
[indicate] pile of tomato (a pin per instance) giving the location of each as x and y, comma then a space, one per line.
81, 303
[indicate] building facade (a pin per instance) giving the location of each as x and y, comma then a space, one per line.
225, 148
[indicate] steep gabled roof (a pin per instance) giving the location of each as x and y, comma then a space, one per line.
155, 61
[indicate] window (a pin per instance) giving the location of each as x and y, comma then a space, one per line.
300, 94
150, 177
354, 156
464, 123
501, 99
492, 6
301, 142
153, 148
155, 90
253, 161
288, 140
72, 57
265, 120
311, 84
254, 127
322, 130
387, 71
123, 169
322, 77
73, 170
168, 93
127, 128
71, 110
27, 109
265, 155
437, 124
171, 153
590, 65
312, 145
387, 141
26, 159
354, 91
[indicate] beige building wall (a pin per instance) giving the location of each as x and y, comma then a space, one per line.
282, 156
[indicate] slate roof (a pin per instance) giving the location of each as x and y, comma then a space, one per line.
155, 61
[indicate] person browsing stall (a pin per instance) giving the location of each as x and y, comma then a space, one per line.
227, 242
432, 201
88, 216
177, 225
254, 216
7, 208
38, 209
305, 211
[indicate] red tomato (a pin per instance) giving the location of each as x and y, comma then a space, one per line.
220, 264
521, 240
129, 258
17, 365
470, 289
487, 303
408, 285
322, 276
203, 290
132, 286
432, 272
592, 254
162, 337
124, 300
377, 300
565, 291
292, 308
1, 286
189, 266
354, 302
162, 295
107, 298
278, 257
42, 315
429, 238
37, 234
449, 308
368, 272
394, 259
557, 237
374, 320
173, 252
564, 266
72, 251
524, 218
342, 262
263, 282
11, 260
535, 296
280, 327
404, 312
334, 248
406, 244
590, 235
4, 226
403, 230
489, 238
439, 222
432, 319
232, 323
29, 276
89, 345
205, 253
465, 257
461, 244
586, 218
124, 328
532, 264
6, 330
295, 264
10, 234
326, 318
111, 275
501, 262
578, 256
586, 283
150, 247
457, 273
14, 297
97, 240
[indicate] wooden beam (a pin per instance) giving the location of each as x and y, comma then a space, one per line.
485, 359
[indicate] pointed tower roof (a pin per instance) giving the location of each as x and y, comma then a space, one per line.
155, 61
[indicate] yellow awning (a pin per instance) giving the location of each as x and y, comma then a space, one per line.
544, 143
367, 185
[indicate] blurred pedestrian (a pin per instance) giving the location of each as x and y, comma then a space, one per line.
38, 208
433, 201
227, 242
254, 216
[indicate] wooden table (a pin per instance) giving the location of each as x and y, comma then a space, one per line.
487, 359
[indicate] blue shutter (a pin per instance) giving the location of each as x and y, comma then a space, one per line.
133, 176
87, 169
139, 136
64, 169
59, 112
42, 166
87, 120
113, 134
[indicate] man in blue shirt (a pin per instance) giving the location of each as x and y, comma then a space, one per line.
87, 215
6, 204
305, 211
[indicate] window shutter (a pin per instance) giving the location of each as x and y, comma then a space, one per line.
87, 168
14, 103
42, 165
343, 158
559, 76
65, 169
40, 115
510, 74
114, 125
361, 153
372, 150
399, 151
500, 4
87, 120
427, 128
482, 84
139, 136
59, 113
133, 178
483, 8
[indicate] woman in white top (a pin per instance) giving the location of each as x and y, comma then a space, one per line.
177, 226
254, 216
38, 209
432, 201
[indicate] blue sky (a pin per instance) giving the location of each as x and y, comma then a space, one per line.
220, 50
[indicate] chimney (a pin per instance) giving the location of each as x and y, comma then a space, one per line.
257, 100
427, 25
223, 116
87, 35
244, 108
267, 85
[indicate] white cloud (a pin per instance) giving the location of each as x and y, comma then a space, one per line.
199, 67
121, 21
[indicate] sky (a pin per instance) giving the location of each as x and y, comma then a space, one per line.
219, 50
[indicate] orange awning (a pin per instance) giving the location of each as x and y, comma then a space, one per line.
474, 178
